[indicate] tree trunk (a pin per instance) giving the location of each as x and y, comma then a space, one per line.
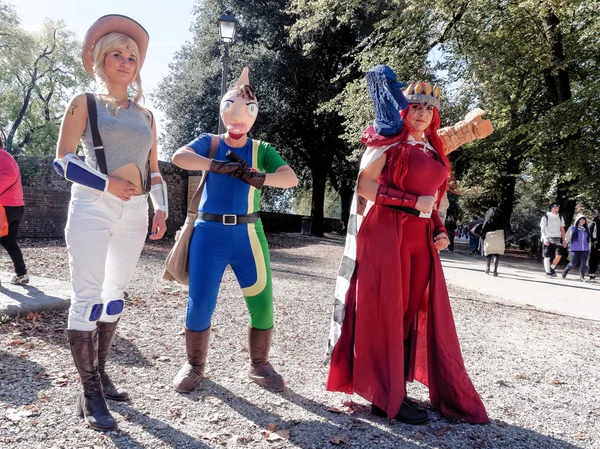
346, 194
319, 178
565, 197
507, 187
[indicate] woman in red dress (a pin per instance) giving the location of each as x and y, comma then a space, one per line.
392, 320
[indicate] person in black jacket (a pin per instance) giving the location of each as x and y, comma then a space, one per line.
492, 232
451, 228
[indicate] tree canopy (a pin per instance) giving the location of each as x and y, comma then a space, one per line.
39, 72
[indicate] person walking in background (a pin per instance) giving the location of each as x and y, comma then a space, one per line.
492, 232
474, 234
578, 237
552, 227
11, 199
451, 228
595, 245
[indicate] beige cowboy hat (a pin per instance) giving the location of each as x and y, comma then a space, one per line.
114, 23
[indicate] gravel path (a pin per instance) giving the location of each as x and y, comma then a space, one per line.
537, 373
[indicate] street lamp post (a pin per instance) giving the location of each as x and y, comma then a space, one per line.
227, 27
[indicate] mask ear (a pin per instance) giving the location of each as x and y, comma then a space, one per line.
244, 79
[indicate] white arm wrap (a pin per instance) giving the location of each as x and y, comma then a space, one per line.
75, 170
159, 197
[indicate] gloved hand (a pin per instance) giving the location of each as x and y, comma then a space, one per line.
246, 173
232, 169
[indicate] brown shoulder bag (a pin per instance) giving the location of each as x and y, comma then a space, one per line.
176, 264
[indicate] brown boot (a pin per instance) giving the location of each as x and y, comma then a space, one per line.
192, 372
106, 333
261, 371
90, 404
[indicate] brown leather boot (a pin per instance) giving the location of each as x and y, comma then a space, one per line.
261, 371
106, 333
90, 404
192, 372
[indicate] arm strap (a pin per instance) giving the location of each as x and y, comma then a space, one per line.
212, 152
98, 146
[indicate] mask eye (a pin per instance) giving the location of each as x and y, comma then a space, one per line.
226, 106
252, 109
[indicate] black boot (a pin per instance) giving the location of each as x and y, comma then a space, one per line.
496, 261
564, 273
409, 414
90, 404
487, 268
106, 332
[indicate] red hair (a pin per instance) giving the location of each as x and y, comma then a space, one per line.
437, 143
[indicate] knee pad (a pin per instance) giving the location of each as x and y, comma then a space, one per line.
115, 307
93, 312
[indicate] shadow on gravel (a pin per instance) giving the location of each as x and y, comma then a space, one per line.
13, 371
303, 433
125, 352
293, 240
373, 431
169, 435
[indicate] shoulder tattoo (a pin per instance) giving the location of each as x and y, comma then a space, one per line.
71, 109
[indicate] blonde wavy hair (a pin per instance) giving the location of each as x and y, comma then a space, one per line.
104, 46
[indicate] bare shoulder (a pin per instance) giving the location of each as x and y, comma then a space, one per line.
77, 105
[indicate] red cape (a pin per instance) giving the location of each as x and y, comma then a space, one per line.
369, 360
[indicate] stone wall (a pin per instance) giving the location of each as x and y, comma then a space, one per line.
47, 201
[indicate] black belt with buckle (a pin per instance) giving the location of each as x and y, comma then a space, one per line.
408, 210
230, 219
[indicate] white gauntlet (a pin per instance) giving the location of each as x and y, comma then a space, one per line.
75, 170
158, 195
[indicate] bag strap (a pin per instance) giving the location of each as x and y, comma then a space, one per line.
212, 151
98, 146
148, 174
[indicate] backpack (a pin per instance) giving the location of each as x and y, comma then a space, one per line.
546, 217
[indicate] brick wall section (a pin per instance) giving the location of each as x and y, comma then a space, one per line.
45, 213
47, 201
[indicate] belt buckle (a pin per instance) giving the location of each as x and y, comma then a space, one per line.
229, 223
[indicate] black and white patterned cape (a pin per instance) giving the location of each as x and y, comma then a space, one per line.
359, 209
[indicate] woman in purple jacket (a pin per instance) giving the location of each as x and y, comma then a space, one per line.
578, 237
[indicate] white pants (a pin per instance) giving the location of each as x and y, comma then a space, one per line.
105, 237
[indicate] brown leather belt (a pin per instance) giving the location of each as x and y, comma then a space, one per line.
230, 219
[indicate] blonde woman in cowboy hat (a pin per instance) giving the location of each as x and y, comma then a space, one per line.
108, 213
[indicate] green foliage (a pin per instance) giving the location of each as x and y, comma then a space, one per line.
531, 64
39, 72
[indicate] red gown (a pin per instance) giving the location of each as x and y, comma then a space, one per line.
398, 296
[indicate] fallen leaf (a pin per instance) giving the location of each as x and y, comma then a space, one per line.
340, 439
274, 437
284, 433
442, 430
334, 410
272, 427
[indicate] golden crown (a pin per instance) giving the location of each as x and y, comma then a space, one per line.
423, 92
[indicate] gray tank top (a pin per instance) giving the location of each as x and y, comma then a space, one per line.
126, 138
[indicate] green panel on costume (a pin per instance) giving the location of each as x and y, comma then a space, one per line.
260, 306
